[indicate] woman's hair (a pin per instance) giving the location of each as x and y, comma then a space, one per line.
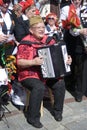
51, 14
29, 8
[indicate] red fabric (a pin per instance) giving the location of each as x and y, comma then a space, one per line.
26, 4
29, 52
37, 12
1, 2
72, 20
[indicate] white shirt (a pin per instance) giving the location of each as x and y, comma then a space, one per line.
7, 19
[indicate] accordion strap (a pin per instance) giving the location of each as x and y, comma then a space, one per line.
30, 43
27, 42
48, 39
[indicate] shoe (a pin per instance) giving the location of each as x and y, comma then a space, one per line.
35, 124
58, 117
78, 99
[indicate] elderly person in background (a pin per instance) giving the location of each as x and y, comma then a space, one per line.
22, 12
30, 11
51, 24
29, 73
6, 17
21, 27
52, 27
6, 31
21, 22
7, 25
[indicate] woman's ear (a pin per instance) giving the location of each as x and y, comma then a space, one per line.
31, 31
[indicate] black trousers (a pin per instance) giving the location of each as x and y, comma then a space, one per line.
79, 88
37, 89
58, 88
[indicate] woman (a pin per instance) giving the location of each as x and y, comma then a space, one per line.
29, 73
52, 28
51, 21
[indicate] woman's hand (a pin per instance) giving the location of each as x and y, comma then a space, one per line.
38, 61
3, 38
17, 10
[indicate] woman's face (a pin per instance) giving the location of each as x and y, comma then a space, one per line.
51, 20
77, 3
38, 30
31, 12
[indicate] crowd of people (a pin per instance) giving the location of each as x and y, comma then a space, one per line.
22, 25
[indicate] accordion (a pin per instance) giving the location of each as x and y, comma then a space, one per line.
55, 57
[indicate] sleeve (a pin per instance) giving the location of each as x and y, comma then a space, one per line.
23, 52
64, 13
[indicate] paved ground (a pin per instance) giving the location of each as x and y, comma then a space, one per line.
74, 117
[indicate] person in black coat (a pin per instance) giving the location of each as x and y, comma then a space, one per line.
75, 48
21, 27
